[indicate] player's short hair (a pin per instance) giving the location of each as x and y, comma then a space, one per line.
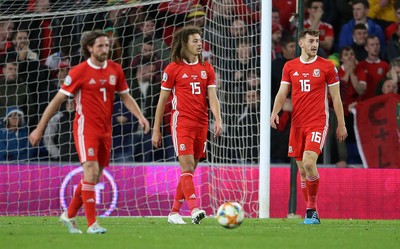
312, 32
179, 43
88, 39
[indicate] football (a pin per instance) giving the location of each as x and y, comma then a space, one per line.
230, 215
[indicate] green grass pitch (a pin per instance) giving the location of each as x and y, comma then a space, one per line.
48, 233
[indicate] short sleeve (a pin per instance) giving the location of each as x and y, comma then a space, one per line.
71, 82
167, 82
211, 82
285, 75
332, 75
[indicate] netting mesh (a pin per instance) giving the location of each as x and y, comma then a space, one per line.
40, 43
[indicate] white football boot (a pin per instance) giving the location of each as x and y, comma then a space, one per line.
70, 223
175, 218
95, 228
198, 215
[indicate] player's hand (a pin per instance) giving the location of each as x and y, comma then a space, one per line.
218, 128
341, 133
35, 137
156, 138
274, 120
145, 124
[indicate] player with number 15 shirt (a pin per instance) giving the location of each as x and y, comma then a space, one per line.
188, 83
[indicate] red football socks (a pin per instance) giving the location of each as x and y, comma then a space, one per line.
179, 198
76, 202
89, 201
303, 187
312, 183
188, 189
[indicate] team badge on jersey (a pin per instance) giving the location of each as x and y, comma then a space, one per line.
182, 147
316, 73
203, 74
67, 80
113, 80
91, 152
165, 77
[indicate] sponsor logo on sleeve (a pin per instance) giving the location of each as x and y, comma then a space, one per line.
165, 77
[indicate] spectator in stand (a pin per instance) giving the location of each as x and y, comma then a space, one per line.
315, 10
146, 91
67, 54
353, 79
13, 92
30, 71
58, 137
387, 86
392, 49
360, 34
40, 31
276, 41
275, 16
148, 28
392, 77
382, 12
392, 28
148, 55
360, 11
344, 11
280, 136
374, 67
248, 126
14, 144
115, 46
6, 28
286, 9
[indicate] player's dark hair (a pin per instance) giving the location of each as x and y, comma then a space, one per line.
304, 32
88, 39
179, 44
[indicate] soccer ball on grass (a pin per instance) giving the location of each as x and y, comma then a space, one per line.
230, 215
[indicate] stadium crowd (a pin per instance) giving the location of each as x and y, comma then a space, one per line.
36, 54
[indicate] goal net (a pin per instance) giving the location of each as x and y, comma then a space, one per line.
39, 43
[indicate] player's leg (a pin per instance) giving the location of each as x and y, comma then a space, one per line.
315, 139
296, 149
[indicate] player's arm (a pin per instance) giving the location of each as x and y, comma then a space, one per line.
215, 109
133, 107
54, 105
341, 131
280, 100
162, 101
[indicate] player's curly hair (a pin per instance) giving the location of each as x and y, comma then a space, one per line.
179, 43
88, 39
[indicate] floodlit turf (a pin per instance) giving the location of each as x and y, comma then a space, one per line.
48, 233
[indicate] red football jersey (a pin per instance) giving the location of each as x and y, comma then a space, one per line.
309, 81
189, 83
376, 71
351, 94
93, 88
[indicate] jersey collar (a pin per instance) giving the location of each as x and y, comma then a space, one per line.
91, 64
194, 63
308, 62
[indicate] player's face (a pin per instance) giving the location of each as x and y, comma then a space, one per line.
309, 44
100, 49
194, 45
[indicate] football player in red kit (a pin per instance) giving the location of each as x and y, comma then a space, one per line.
93, 84
310, 78
190, 80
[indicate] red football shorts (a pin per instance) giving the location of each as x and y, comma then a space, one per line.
93, 149
190, 141
306, 138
